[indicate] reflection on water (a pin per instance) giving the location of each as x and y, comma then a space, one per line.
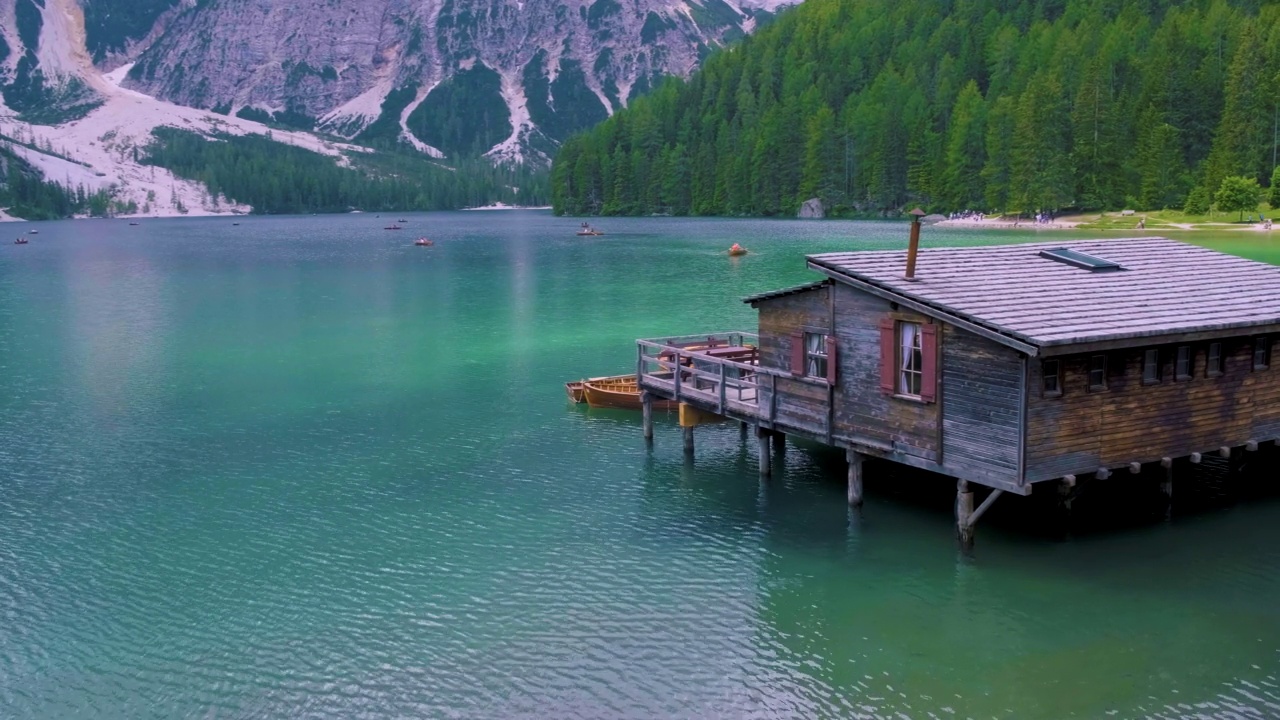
310, 469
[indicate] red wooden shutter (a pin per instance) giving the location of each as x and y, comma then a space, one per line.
929, 365
833, 359
797, 353
888, 355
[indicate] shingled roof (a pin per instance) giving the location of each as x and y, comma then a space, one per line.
1164, 288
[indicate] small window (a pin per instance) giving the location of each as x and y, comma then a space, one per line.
1213, 360
815, 355
1182, 369
1150, 366
910, 359
1261, 353
1098, 372
1052, 371
1080, 260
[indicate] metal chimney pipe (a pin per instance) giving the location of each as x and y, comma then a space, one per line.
914, 245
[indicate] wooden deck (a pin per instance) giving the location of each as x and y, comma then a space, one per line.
718, 373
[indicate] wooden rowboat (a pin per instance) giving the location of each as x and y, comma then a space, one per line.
621, 392
575, 389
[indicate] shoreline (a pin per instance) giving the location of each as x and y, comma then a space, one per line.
1009, 224
504, 206
168, 214
1076, 223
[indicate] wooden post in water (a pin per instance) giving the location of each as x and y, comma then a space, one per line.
1066, 495
964, 509
688, 440
1166, 486
855, 477
762, 440
646, 407
779, 442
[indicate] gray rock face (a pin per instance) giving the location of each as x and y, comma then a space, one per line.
510, 78
812, 208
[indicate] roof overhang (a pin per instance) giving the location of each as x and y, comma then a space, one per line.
753, 299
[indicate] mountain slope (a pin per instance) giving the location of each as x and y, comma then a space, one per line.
91, 135
872, 105
449, 77
445, 81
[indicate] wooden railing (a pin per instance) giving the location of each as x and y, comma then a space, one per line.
719, 371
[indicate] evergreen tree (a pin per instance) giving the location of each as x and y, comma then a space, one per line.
1159, 164
1244, 136
820, 176
997, 171
1096, 155
965, 151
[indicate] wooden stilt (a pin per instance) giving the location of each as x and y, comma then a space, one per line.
1166, 486
742, 430
779, 442
855, 477
964, 510
688, 440
646, 406
766, 463
1066, 496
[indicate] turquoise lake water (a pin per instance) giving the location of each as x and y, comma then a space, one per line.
301, 468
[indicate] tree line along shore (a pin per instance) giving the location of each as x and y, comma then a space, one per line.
879, 105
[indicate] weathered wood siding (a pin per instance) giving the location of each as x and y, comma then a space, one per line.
801, 403
862, 411
973, 430
1084, 430
982, 402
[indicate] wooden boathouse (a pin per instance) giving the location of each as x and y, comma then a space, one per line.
1004, 366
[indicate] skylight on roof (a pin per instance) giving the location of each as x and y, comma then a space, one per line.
1078, 259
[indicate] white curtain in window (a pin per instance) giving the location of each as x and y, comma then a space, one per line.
815, 344
909, 344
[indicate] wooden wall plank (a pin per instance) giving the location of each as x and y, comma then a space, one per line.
1132, 422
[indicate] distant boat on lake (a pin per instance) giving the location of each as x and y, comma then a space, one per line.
424, 242
586, 230
392, 227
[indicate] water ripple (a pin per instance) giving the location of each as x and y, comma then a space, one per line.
305, 471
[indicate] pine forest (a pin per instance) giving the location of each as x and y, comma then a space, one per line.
874, 106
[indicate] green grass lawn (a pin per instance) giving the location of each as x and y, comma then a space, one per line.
1164, 219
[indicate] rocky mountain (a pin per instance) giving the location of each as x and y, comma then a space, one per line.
453, 79
510, 78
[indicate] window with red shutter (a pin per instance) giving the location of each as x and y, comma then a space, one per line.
929, 363
888, 355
